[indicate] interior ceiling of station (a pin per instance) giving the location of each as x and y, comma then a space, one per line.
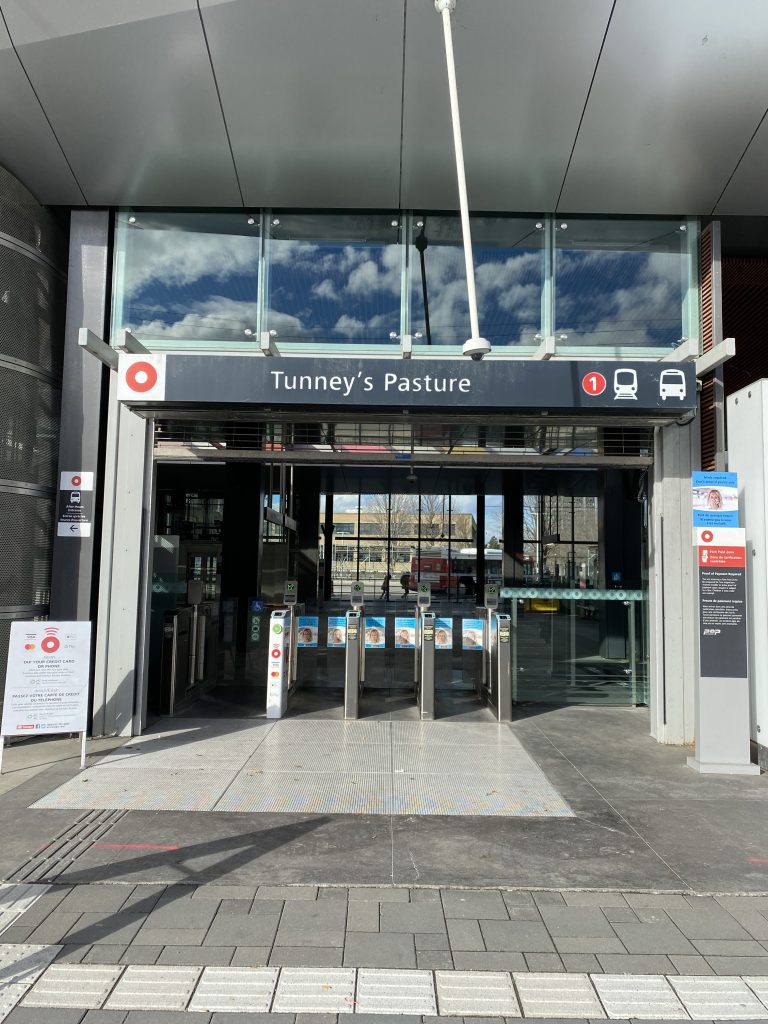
596, 106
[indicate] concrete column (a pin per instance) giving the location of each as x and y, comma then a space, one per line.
72, 569
672, 585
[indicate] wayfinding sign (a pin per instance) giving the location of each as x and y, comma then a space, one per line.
46, 682
75, 504
722, 602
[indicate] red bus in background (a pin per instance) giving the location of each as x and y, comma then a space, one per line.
455, 572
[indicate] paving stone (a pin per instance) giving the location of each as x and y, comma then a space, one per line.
652, 915
685, 964
531, 913
170, 936
730, 947
363, 917
431, 941
550, 995
594, 945
104, 954
366, 949
286, 892
333, 892
412, 917
542, 899
251, 956
378, 895
306, 956
467, 903
141, 954
166, 1017
425, 896
713, 998
516, 936
668, 901
315, 923
708, 924
154, 988
245, 930
111, 928
576, 922
752, 921
465, 935
43, 906
635, 963
53, 928
144, 898
244, 989
653, 938
187, 913
697, 902
382, 991
595, 899
620, 914
196, 956
461, 993
326, 990
543, 962
434, 960
104, 1016
262, 907
518, 898
388, 1018
239, 908
71, 954
586, 963
489, 961
95, 898
32, 1015
73, 985
229, 1017
737, 965
630, 996
213, 891
17, 933
315, 1018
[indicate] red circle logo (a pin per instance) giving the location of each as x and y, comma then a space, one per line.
707, 536
593, 383
76, 481
141, 376
50, 644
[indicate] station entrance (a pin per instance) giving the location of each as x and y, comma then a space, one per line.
416, 569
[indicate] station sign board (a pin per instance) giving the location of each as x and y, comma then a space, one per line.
722, 560
75, 515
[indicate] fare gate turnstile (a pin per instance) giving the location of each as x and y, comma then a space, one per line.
424, 653
281, 652
354, 654
496, 678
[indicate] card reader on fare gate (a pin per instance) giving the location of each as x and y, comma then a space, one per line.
357, 594
491, 596
290, 592
424, 595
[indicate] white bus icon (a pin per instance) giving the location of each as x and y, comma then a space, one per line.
672, 384
624, 384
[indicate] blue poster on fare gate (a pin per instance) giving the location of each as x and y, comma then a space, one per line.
443, 634
715, 499
472, 634
337, 631
375, 632
405, 632
307, 630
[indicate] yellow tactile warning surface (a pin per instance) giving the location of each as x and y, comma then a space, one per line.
319, 766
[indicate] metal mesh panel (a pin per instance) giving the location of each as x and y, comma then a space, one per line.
29, 426
24, 219
25, 568
31, 303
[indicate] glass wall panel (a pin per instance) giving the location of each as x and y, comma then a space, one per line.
509, 272
334, 277
187, 277
621, 284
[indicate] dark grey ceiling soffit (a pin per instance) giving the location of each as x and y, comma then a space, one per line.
589, 107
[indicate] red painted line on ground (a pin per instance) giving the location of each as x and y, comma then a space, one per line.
132, 846
757, 860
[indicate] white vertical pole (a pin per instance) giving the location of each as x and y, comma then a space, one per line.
83, 740
2, 747
445, 8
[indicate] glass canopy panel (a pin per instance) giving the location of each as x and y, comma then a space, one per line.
184, 278
620, 284
334, 278
509, 274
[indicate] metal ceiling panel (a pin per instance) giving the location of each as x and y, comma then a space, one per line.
747, 191
311, 93
32, 21
523, 71
28, 147
678, 93
135, 109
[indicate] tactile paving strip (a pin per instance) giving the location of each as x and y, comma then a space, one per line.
385, 991
557, 995
638, 996
308, 793
127, 788
77, 986
305, 990
320, 757
476, 994
154, 988
240, 989
717, 998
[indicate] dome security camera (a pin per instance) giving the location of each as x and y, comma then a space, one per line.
476, 348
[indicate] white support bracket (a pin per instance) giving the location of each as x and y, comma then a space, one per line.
267, 344
686, 352
547, 348
125, 342
406, 346
92, 343
716, 356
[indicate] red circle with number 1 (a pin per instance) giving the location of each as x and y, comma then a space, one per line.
594, 383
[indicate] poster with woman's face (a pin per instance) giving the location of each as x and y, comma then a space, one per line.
306, 631
337, 631
472, 634
374, 632
715, 499
443, 634
405, 632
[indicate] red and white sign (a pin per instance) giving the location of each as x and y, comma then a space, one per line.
76, 480
721, 547
593, 383
141, 378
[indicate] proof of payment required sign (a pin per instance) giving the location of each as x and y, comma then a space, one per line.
722, 602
